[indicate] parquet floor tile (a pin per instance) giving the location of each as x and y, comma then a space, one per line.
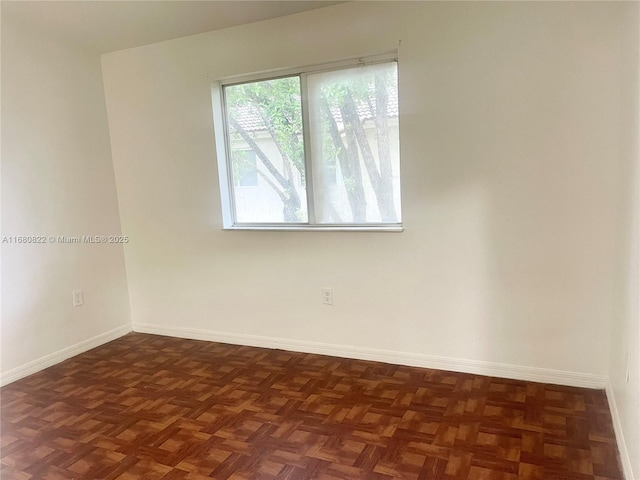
152, 407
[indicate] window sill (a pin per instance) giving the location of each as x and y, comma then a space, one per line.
320, 228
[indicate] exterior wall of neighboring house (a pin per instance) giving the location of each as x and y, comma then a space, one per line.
256, 197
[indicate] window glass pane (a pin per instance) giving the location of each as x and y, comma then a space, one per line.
355, 144
245, 172
266, 151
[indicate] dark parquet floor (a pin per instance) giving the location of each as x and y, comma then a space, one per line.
152, 407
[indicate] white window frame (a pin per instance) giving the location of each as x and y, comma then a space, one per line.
223, 148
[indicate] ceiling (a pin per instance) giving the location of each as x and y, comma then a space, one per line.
106, 26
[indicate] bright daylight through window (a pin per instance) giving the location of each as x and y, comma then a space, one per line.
317, 148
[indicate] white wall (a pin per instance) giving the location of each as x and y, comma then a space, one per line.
57, 179
510, 115
624, 393
519, 137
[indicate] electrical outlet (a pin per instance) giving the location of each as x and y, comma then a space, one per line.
78, 298
327, 296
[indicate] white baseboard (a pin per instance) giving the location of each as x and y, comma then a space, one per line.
627, 470
517, 372
61, 355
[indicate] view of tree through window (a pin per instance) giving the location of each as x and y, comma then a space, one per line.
266, 117
351, 143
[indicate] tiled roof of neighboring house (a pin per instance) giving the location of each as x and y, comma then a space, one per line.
249, 119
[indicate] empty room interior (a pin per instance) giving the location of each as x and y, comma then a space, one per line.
328, 240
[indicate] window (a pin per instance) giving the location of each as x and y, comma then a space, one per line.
319, 147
